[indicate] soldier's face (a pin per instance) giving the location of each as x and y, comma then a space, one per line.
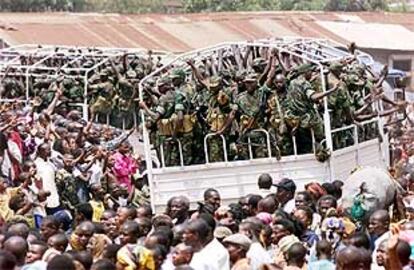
251, 86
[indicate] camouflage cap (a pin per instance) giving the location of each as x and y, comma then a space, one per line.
251, 77
215, 81
177, 73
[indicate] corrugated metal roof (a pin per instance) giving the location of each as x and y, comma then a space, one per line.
374, 35
182, 32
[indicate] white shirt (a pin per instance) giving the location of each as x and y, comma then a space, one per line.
214, 256
258, 256
46, 171
289, 206
96, 173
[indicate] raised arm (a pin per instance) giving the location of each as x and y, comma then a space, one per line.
197, 73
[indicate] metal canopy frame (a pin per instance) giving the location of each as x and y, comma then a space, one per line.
29, 61
317, 51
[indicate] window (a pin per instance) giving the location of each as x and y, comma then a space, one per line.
404, 65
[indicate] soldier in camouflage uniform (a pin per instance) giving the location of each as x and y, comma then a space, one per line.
301, 114
251, 110
276, 125
160, 116
102, 93
183, 114
340, 104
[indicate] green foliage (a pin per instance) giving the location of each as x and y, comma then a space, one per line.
143, 6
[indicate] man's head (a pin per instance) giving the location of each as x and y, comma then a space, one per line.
295, 255
250, 82
280, 229
108, 221
303, 198
44, 151
60, 262
49, 227
103, 264
353, 258
129, 232
178, 207
253, 202
36, 250
83, 212
285, 190
144, 225
325, 203
237, 245
265, 181
196, 233
182, 254
304, 215
268, 205
19, 229
18, 247
280, 82
379, 222
144, 211
323, 249
85, 231
97, 191
212, 197
123, 214
7, 260
58, 241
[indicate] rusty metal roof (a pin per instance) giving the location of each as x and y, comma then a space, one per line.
182, 32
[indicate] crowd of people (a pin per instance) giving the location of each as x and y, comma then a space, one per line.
74, 195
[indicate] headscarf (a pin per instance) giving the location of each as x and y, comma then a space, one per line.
315, 189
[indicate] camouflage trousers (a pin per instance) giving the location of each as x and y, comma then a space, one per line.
216, 148
258, 145
169, 152
171, 149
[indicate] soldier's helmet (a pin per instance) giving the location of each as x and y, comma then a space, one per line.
178, 73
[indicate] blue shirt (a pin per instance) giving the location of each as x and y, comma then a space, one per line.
321, 265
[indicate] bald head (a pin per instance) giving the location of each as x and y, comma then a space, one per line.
353, 258
19, 229
18, 247
379, 222
268, 205
265, 181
